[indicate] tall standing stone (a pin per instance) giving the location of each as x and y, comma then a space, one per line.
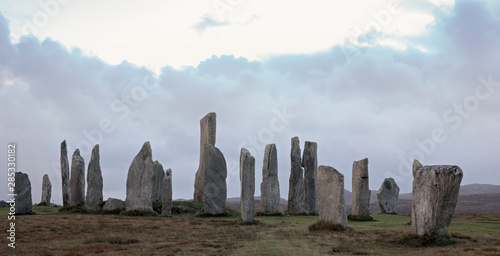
214, 188
331, 206
310, 164
435, 194
270, 186
65, 174
388, 195
166, 207
247, 180
23, 193
360, 190
46, 190
159, 174
140, 181
207, 136
77, 180
296, 187
94, 181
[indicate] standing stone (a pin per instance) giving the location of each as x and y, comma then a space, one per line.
215, 173
310, 164
113, 204
247, 179
331, 206
159, 174
23, 193
77, 180
296, 187
46, 190
140, 181
388, 195
435, 194
270, 186
360, 190
65, 174
166, 207
94, 182
207, 136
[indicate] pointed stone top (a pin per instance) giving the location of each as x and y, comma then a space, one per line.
96, 148
244, 151
45, 176
416, 165
146, 149
168, 172
63, 143
76, 153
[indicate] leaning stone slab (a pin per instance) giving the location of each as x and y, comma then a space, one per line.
435, 194
331, 206
296, 181
388, 195
214, 188
310, 164
77, 180
65, 174
94, 182
114, 205
360, 191
207, 136
46, 190
23, 193
270, 186
140, 181
247, 180
166, 208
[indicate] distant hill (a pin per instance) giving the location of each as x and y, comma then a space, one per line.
473, 198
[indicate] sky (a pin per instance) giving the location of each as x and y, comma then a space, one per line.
390, 81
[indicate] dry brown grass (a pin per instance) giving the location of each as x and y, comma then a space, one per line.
280, 235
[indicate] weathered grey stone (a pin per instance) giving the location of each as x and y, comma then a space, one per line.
360, 190
296, 187
310, 164
77, 180
23, 193
270, 186
159, 174
166, 207
113, 204
388, 195
65, 174
140, 181
215, 173
247, 180
331, 206
435, 194
46, 190
207, 136
94, 182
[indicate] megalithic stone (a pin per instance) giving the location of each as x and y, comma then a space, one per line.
140, 181
435, 195
159, 174
22, 190
331, 206
296, 187
214, 189
270, 186
360, 190
247, 181
207, 136
94, 182
310, 164
46, 190
65, 174
77, 180
166, 208
388, 195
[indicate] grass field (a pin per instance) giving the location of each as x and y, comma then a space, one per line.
50, 232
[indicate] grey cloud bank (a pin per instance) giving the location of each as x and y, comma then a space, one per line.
440, 106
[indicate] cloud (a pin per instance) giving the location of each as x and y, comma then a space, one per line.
208, 22
378, 103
